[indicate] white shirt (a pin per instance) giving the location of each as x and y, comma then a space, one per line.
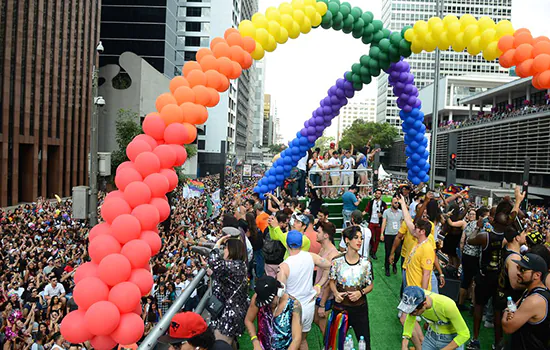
55, 347
186, 284
300, 278
179, 288
313, 167
365, 247
54, 292
302, 163
348, 163
334, 161
376, 206
412, 209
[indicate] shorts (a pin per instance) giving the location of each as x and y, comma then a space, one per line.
308, 312
486, 287
328, 303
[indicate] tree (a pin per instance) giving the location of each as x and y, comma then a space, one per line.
277, 148
323, 143
359, 133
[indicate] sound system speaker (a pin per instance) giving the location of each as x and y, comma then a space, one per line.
451, 289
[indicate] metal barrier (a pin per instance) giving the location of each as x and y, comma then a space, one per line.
370, 176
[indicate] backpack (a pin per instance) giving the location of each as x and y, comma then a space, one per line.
274, 251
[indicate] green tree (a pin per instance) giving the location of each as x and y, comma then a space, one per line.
276, 148
323, 143
359, 133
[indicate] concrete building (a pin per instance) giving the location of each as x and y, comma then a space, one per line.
364, 110
258, 116
268, 124
398, 13
47, 56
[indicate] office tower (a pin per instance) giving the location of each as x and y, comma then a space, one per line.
364, 110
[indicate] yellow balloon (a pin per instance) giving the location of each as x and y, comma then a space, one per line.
485, 23
453, 29
298, 16
283, 36
310, 2
434, 21
458, 44
416, 47
474, 47
287, 21
444, 41
259, 20
262, 37
271, 44
272, 14
449, 19
504, 27
247, 28
274, 28
492, 51
429, 43
310, 12
466, 20
295, 31
409, 35
421, 28
306, 26
317, 20
437, 29
258, 52
321, 8
471, 31
285, 8
298, 4
487, 37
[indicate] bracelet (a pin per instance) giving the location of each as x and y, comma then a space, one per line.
318, 285
253, 338
405, 337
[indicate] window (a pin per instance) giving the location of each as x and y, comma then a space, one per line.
192, 41
202, 145
193, 12
189, 55
192, 26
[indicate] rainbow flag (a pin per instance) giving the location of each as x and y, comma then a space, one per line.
195, 185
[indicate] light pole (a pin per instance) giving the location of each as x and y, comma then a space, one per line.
98, 101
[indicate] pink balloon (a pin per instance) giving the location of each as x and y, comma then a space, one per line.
103, 342
162, 206
125, 296
85, 270
114, 194
114, 207
126, 176
147, 163
137, 193
102, 246
181, 154
89, 291
135, 148
167, 156
100, 229
143, 279
147, 215
138, 252
126, 228
172, 178
74, 329
129, 330
139, 309
102, 318
151, 141
158, 183
114, 269
154, 126
175, 134
125, 165
153, 240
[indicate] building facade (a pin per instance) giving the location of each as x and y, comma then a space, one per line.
258, 116
47, 56
268, 123
364, 110
398, 13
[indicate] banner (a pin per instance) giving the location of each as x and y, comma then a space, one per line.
195, 185
189, 192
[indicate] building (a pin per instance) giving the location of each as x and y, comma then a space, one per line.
398, 13
268, 123
258, 116
47, 56
364, 110
145, 27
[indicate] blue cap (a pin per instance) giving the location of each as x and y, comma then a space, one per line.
294, 239
412, 297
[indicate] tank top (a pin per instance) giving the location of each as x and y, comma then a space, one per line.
533, 336
319, 275
275, 332
491, 256
300, 278
504, 287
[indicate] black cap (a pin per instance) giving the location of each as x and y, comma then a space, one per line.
353, 187
533, 262
266, 290
510, 233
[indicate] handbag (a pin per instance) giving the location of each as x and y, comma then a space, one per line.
215, 307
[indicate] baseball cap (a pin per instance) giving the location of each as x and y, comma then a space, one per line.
412, 297
302, 218
266, 289
533, 262
294, 239
184, 326
232, 231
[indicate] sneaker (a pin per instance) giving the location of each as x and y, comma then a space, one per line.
488, 324
394, 270
374, 256
474, 345
388, 272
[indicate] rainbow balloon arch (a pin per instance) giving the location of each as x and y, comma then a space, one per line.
109, 288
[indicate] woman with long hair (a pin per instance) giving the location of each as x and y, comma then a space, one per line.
230, 286
255, 236
351, 279
325, 178
452, 236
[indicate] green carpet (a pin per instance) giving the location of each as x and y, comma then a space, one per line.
384, 325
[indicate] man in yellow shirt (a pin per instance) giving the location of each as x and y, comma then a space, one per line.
298, 222
420, 262
447, 329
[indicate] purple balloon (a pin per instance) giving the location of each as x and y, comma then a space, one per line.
397, 92
327, 101
404, 96
319, 121
327, 124
340, 93
411, 101
332, 90
399, 66
408, 89
322, 103
400, 86
410, 79
311, 138
319, 111
335, 108
348, 85
320, 127
349, 93
407, 108
303, 132
327, 110
340, 82
403, 77
394, 75
414, 91
328, 118
334, 100
310, 130
306, 123
418, 103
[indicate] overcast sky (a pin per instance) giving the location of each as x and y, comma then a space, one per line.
299, 73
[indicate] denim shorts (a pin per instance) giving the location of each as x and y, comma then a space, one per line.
436, 341
328, 303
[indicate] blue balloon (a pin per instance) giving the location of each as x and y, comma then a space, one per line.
280, 178
296, 142
303, 132
412, 132
426, 167
279, 170
426, 179
418, 137
410, 163
416, 181
414, 145
415, 157
296, 157
287, 168
410, 121
420, 149
415, 169
263, 189
256, 189
421, 174
417, 124
271, 179
422, 129
303, 141
271, 186
304, 148
408, 139
424, 142
426, 155
406, 129
409, 152
295, 151
410, 174
421, 162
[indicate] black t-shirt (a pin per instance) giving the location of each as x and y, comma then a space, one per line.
221, 345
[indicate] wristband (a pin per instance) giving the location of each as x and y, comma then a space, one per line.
405, 337
318, 285
253, 338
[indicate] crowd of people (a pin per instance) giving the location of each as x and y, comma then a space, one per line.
284, 252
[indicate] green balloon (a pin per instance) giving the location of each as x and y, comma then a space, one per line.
357, 86
359, 23
405, 53
348, 22
375, 72
356, 12
378, 36
356, 68
348, 76
405, 48
378, 25
357, 33
364, 60
337, 26
345, 3
383, 56
405, 28
333, 7
394, 53
367, 17
369, 28
384, 64
345, 10
384, 45
356, 78
327, 17
373, 65
326, 25
367, 38
386, 32
374, 52
364, 71
338, 18
347, 30
366, 79
325, 1
337, 2
395, 38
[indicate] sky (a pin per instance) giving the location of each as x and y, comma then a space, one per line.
299, 73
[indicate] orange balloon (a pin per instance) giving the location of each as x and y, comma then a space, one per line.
506, 43
247, 62
191, 133
506, 60
521, 30
215, 42
221, 50
225, 66
249, 44
190, 66
538, 39
184, 94
196, 77
171, 114
535, 82
230, 31
541, 47
525, 68
235, 39
176, 82
202, 53
202, 95
237, 54
523, 53
213, 78
544, 79
188, 109
201, 115
541, 63
237, 71
209, 62
214, 97
523, 38
224, 83
163, 100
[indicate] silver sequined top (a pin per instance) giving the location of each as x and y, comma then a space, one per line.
350, 277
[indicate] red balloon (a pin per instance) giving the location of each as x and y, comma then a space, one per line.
89, 291
153, 125
125, 296
150, 140
137, 147
100, 229
102, 246
85, 270
103, 342
167, 156
115, 194
172, 178
153, 240
137, 193
148, 162
143, 279
138, 252
129, 330
126, 164
74, 329
114, 269
147, 215
158, 184
175, 134
162, 206
102, 318
126, 176
181, 154
114, 207
126, 228
139, 309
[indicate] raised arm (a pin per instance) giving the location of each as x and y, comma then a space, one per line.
406, 215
